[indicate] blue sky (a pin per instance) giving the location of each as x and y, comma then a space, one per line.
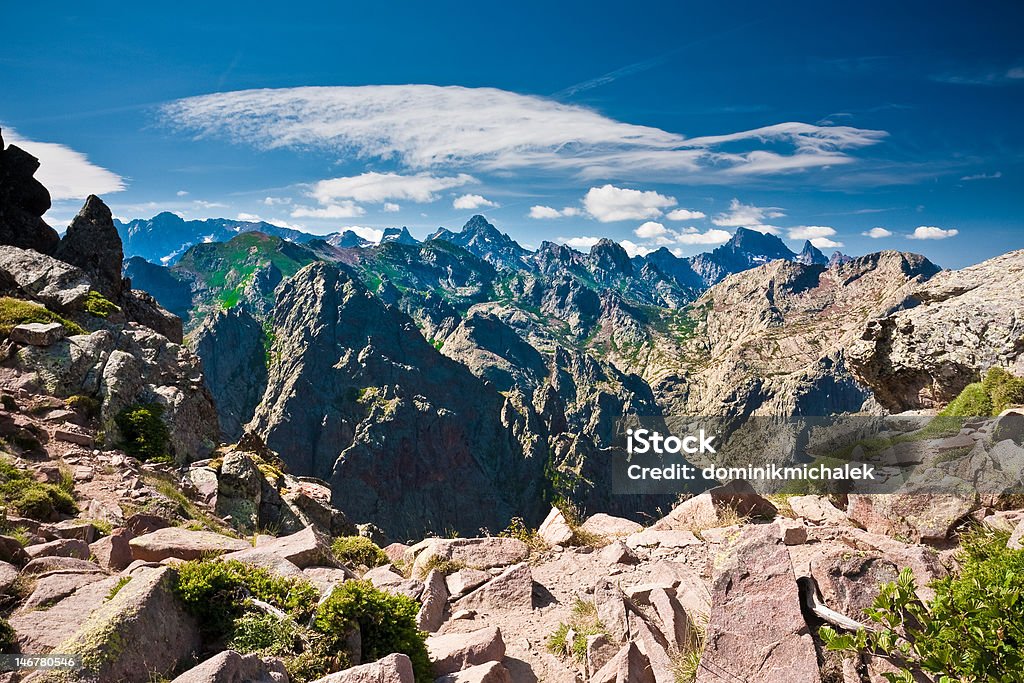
651, 123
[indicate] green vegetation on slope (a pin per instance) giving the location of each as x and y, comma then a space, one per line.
991, 396
14, 312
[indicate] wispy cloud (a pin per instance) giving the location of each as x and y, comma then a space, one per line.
66, 173
983, 176
541, 212
382, 187
425, 127
990, 76
742, 215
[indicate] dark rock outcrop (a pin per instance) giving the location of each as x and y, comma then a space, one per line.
23, 201
92, 244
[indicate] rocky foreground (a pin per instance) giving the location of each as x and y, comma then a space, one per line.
708, 592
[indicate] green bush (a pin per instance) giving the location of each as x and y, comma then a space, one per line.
358, 550
86, 406
1004, 389
100, 306
973, 401
973, 630
386, 622
14, 312
144, 432
20, 492
217, 593
8, 636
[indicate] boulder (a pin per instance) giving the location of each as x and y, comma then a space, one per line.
112, 552
791, 531
457, 651
232, 667
395, 668
183, 544
554, 529
395, 551
478, 553
676, 625
607, 526
817, 509
432, 603
62, 547
326, 578
916, 517
56, 586
463, 581
612, 609
665, 538
491, 672
618, 552
44, 565
707, 509
600, 651
8, 575
83, 530
1017, 537
512, 589
140, 632
756, 630
48, 280
261, 557
628, 666
306, 548
12, 551
42, 630
37, 334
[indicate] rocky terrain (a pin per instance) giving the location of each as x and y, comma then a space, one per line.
204, 511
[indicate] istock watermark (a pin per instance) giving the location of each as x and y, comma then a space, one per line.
836, 454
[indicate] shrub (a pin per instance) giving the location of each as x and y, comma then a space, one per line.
144, 431
30, 498
217, 593
8, 637
100, 306
973, 630
570, 639
517, 529
14, 312
358, 550
973, 401
1003, 388
386, 622
86, 406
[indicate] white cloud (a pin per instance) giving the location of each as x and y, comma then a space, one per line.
825, 243
928, 232
277, 201
468, 202
67, 174
609, 203
877, 233
634, 249
742, 215
650, 230
344, 209
579, 242
391, 207
203, 204
684, 215
427, 127
371, 234
710, 236
248, 217
541, 212
810, 232
182, 193
383, 187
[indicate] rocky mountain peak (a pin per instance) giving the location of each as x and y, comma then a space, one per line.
810, 255
93, 244
838, 258
398, 235
608, 255
759, 244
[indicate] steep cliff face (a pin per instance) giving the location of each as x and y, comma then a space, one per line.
235, 352
945, 333
772, 340
407, 437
